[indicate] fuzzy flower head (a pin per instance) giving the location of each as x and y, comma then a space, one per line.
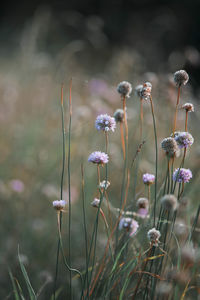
119, 115
181, 77
153, 236
182, 175
104, 184
129, 224
143, 203
148, 178
59, 204
98, 157
189, 107
124, 88
169, 202
95, 202
138, 90
105, 123
184, 139
146, 91
169, 145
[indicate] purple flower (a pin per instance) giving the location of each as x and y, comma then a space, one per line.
59, 204
184, 139
148, 178
105, 123
142, 213
129, 224
98, 157
182, 175
17, 185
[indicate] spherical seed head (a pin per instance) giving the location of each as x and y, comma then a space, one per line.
119, 115
129, 224
98, 157
169, 145
146, 91
182, 175
169, 202
184, 139
138, 90
188, 107
163, 289
95, 202
105, 123
104, 184
148, 178
181, 77
124, 88
143, 203
153, 236
188, 255
59, 204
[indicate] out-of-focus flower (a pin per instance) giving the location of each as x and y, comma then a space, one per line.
148, 178
181, 77
105, 123
138, 90
153, 236
95, 202
124, 88
59, 204
146, 91
119, 115
169, 145
163, 289
129, 224
188, 255
183, 139
182, 175
169, 202
98, 157
143, 207
188, 107
104, 184
17, 185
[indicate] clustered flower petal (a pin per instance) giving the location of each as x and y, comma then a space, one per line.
169, 145
59, 204
124, 88
119, 115
95, 202
129, 224
143, 203
148, 178
98, 157
188, 107
105, 123
153, 236
181, 77
104, 184
184, 139
146, 91
138, 90
182, 175
169, 202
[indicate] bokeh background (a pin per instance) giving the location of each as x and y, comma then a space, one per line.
97, 44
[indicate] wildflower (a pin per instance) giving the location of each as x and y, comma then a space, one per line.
188, 255
188, 107
148, 178
59, 204
154, 235
124, 88
17, 185
105, 123
95, 202
146, 91
143, 203
163, 289
181, 77
183, 139
98, 157
129, 224
169, 145
169, 202
104, 184
182, 175
138, 90
119, 115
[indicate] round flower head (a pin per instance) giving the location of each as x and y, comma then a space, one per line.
148, 178
119, 115
129, 224
182, 175
163, 289
169, 145
184, 139
95, 202
181, 77
153, 236
169, 202
98, 157
146, 91
138, 90
143, 203
124, 88
59, 204
188, 107
142, 213
104, 184
105, 123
